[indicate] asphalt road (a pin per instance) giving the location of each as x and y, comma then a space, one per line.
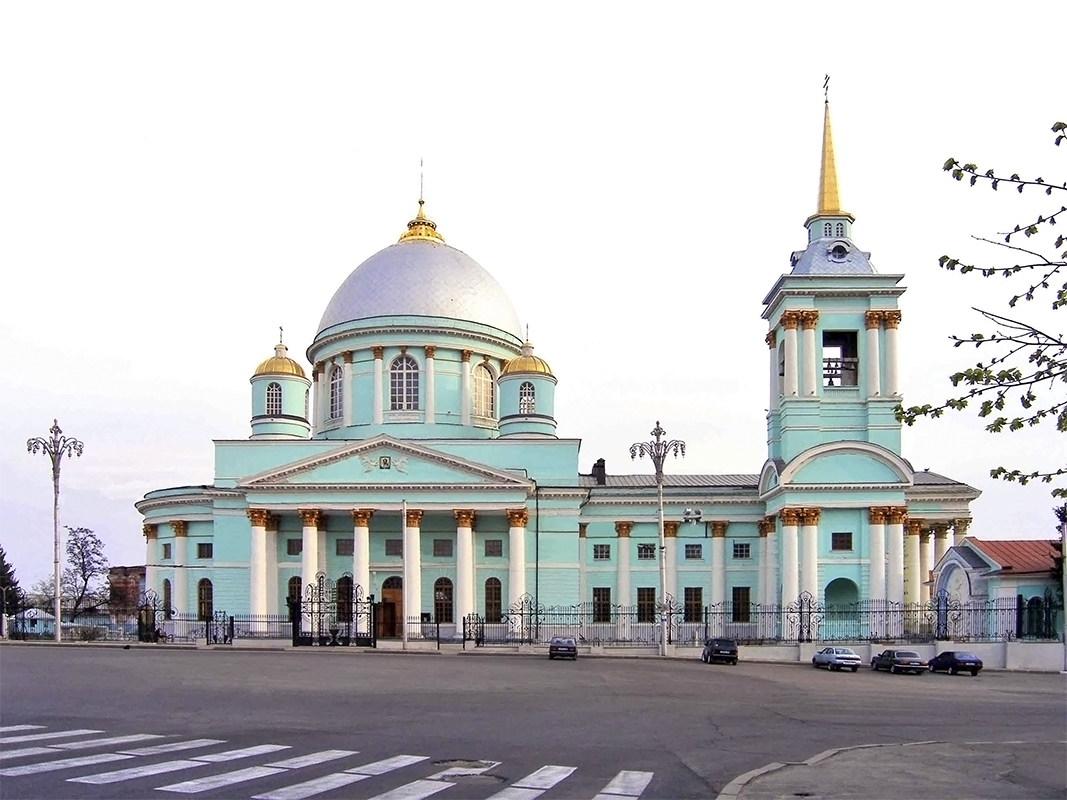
694, 727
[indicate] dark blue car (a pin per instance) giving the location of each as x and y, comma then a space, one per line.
956, 661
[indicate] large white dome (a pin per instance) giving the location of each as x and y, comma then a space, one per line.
426, 278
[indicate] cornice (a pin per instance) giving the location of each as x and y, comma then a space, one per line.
835, 487
363, 487
326, 343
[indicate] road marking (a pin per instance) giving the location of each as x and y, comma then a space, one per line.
626, 784
416, 790
244, 752
517, 793
12, 728
172, 747
300, 791
63, 763
312, 759
26, 751
535, 784
86, 743
217, 781
135, 772
386, 765
37, 737
460, 772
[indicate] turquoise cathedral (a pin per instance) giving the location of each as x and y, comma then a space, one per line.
419, 456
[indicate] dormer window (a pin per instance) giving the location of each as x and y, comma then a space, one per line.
839, 229
827, 229
839, 252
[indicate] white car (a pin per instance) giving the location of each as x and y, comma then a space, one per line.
837, 658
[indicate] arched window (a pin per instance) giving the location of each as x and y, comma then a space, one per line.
826, 229
274, 399
293, 594
337, 392
404, 385
483, 391
168, 604
527, 398
205, 602
442, 600
492, 600
344, 598
307, 403
840, 229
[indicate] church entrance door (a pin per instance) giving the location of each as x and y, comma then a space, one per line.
391, 609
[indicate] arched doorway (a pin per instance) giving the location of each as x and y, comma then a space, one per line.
841, 618
841, 592
391, 608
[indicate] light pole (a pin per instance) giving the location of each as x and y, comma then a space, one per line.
657, 449
55, 448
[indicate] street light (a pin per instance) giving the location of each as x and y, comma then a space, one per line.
657, 450
55, 448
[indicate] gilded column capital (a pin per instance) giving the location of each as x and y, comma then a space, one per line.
764, 527
810, 516
431, 350
622, 529
179, 527
897, 515
718, 530
518, 517
581, 529
808, 319
316, 370
361, 517
790, 320
377, 351
150, 531
959, 526
466, 355
877, 515
310, 517
914, 527
272, 522
891, 318
464, 517
790, 517
873, 319
347, 356
414, 517
257, 516
939, 530
670, 529
771, 339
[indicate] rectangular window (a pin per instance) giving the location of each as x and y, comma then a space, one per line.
646, 552
492, 600
166, 551
742, 605
494, 548
442, 548
602, 603
394, 547
841, 540
646, 604
346, 547
840, 362
601, 552
294, 547
204, 550
694, 604
694, 552
742, 550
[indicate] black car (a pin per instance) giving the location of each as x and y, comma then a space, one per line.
956, 661
724, 650
899, 661
563, 647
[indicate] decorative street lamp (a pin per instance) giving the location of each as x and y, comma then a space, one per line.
658, 449
55, 448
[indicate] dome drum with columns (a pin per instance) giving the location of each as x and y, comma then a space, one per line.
418, 458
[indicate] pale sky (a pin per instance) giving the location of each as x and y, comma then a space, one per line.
178, 180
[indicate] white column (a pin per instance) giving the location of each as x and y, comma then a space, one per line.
431, 386
413, 572
871, 370
273, 606
309, 554
809, 552
257, 562
346, 390
465, 604
911, 561
316, 400
151, 559
379, 389
582, 588
517, 519
622, 563
892, 320
324, 394
789, 322
764, 558
959, 530
770, 592
718, 563
773, 379
320, 548
808, 320
876, 557
181, 572
361, 561
790, 560
925, 551
670, 560
465, 388
894, 582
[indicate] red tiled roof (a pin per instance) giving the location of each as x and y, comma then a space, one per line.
1018, 556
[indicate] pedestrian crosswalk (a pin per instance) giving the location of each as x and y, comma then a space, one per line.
275, 771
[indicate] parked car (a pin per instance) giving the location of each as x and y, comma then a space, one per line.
724, 650
956, 660
563, 647
835, 658
899, 661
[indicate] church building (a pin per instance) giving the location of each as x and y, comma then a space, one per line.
415, 456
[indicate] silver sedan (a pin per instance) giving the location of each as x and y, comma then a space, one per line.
837, 658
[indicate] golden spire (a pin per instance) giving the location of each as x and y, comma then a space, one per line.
422, 227
829, 202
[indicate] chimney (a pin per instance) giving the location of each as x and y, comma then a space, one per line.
600, 473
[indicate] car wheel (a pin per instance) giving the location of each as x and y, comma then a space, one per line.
874, 666
733, 663
893, 669
550, 656
814, 664
974, 673
953, 670
855, 668
704, 657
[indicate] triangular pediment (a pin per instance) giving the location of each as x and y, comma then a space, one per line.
384, 461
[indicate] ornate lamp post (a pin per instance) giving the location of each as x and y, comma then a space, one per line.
55, 448
658, 449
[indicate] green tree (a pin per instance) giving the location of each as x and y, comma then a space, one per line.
10, 593
1026, 367
84, 580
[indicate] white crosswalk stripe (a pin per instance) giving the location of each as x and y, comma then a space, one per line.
627, 785
173, 766
63, 763
535, 784
172, 747
416, 790
39, 737
300, 791
252, 773
12, 728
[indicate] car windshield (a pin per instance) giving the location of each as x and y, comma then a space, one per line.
907, 654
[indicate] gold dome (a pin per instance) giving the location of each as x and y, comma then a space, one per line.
280, 364
422, 227
527, 363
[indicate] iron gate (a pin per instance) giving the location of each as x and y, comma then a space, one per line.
333, 614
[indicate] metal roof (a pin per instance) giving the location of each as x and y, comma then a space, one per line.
734, 481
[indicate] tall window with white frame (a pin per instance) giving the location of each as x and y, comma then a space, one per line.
404, 384
307, 404
274, 399
337, 392
527, 398
483, 392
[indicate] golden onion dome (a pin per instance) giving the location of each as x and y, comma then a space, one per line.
422, 227
280, 364
527, 363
